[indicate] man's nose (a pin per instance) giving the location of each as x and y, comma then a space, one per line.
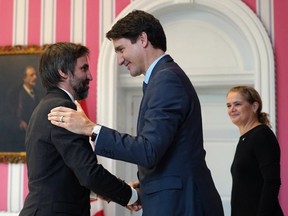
120, 59
89, 76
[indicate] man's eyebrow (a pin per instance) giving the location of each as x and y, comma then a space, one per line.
85, 66
118, 48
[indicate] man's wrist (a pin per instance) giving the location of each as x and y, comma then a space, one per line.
95, 131
134, 197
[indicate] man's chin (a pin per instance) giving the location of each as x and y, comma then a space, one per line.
82, 96
133, 75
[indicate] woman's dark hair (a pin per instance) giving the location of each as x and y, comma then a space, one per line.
59, 56
251, 96
136, 22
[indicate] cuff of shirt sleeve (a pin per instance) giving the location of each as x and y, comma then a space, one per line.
95, 132
94, 136
134, 197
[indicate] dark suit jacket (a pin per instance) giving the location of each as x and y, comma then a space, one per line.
168, 148
62, 168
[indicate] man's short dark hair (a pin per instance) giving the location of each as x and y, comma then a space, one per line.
59, 56
136, 22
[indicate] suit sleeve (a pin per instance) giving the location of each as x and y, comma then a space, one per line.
78, 155
162, 115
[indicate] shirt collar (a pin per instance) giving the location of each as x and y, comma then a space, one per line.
30, 92
150, 69
70, 95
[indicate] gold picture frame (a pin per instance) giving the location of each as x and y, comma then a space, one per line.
12, 61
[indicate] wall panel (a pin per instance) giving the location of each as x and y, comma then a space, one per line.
6, 22
281, 53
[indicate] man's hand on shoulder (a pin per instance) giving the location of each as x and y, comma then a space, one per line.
75, 121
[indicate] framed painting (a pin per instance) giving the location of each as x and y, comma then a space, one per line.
21, 90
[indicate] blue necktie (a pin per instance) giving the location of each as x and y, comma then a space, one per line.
144, 87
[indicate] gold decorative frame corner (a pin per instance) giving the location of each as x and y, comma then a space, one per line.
20, 49
12, 157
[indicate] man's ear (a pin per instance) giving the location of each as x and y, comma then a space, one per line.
143, 39
62, 74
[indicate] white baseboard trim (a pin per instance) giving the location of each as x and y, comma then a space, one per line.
9, 213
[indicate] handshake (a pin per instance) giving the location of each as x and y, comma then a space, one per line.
136, 206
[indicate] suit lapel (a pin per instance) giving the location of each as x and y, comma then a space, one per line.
159, 66
144, 87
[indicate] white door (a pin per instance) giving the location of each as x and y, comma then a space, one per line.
220, 138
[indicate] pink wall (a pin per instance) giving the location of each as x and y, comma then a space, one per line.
281, 55
92, 41
6, 22
251, 4
62, 17
120, 5
3, 186
34, 22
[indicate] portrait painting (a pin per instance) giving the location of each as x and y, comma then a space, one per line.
21, 91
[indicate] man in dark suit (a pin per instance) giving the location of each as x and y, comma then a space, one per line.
62, 168
19, 105
168, 149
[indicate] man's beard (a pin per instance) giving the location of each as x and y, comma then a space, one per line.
81, 89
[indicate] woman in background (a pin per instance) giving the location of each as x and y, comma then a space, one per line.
256, 165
